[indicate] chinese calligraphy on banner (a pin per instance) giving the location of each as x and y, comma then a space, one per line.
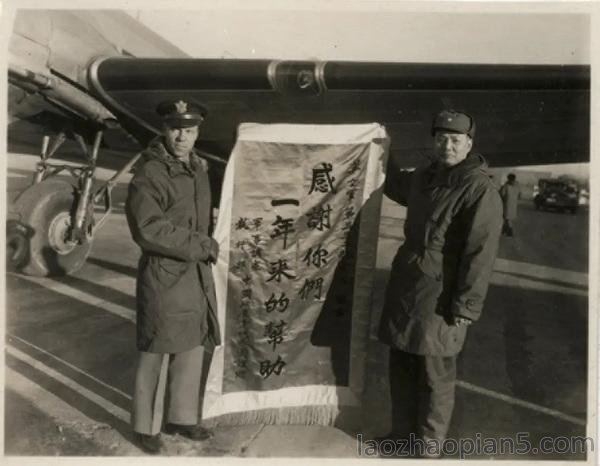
294, 273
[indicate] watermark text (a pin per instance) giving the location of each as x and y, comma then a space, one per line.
474, 446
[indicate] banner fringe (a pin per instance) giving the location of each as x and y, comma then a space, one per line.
324, 415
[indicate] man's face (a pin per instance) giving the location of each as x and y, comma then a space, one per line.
451, 148
180, 141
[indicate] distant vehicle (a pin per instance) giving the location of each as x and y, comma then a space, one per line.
584, 197
557, 194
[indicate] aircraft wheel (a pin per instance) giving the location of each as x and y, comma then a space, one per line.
17, 245
46, 210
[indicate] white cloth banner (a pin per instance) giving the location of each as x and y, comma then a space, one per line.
297, 230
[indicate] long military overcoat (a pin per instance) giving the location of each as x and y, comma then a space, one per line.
452, 229
510, 193
168, 210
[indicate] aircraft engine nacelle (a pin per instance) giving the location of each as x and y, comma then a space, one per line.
297, 77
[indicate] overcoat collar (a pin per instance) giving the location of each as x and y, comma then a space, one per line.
450, 177
157, 150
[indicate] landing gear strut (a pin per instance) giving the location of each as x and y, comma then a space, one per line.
54, 223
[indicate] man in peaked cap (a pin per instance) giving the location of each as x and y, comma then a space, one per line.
439, 278
168, 210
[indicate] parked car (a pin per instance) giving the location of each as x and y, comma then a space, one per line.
555, 194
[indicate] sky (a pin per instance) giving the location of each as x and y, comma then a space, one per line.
375, 34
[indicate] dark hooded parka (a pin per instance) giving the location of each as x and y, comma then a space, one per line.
443, 268
168, 210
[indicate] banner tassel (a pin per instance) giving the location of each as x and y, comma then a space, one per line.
324, 415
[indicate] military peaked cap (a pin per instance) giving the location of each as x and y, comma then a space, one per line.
181, 113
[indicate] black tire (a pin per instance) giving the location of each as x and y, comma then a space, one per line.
45, 210
17, 245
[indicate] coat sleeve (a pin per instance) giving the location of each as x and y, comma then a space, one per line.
483, 221
397, 184
151, 228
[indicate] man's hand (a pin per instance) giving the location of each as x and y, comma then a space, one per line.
461, 321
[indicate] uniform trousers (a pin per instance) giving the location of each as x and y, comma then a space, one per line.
180, 373
422, 392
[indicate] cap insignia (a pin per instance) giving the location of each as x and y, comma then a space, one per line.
181, 106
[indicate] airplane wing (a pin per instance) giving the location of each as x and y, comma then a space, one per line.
525, 114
